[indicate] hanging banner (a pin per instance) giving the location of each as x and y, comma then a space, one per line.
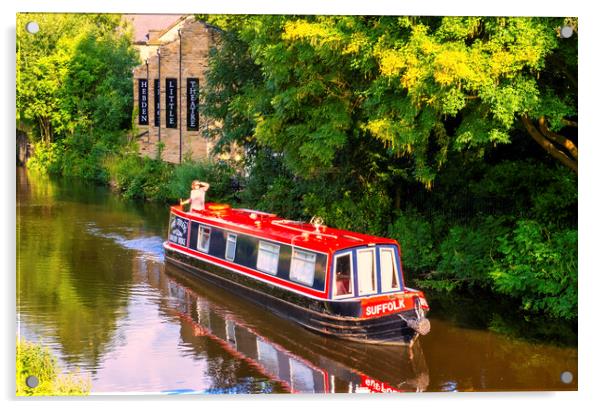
157, 103
142, 101
171, 102
192, 102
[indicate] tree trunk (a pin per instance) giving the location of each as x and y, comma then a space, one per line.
552, 143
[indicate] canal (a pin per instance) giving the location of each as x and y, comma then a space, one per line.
93, 287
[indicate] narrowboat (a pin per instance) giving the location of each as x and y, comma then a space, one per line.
335, 282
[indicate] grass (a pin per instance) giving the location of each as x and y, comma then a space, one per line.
35, 360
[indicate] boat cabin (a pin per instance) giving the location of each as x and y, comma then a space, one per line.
310, 259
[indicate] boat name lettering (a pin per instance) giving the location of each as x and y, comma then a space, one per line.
384, 307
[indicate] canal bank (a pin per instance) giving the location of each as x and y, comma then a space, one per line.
92, 286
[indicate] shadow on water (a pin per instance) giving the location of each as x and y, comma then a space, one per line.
501, 315
92, 285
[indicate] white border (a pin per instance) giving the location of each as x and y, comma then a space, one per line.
590, 224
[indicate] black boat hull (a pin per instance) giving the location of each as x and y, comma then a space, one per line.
320, 316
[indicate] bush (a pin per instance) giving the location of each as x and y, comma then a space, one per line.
467, 253
415, 236
83, 157
363, 210
539, 267
33, 360
140, 178
79, 155
154, 180
218, 175
45, 158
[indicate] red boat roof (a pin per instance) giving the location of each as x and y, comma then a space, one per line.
271, 227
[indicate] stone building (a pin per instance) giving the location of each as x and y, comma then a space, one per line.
166, 90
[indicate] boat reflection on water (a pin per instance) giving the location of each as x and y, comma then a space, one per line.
300, 361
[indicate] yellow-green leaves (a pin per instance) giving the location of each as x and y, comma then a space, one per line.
418, 85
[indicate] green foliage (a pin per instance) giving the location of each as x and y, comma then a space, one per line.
528, 189
219, 175
539, 267
404, 125
417, 240
46, 157
33, 360
356, 209
140, 178
74, 87
304, 86
467, 251
74, 75
154, 180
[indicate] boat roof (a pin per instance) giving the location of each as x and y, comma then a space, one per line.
271, 227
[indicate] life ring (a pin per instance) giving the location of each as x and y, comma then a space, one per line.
218, 207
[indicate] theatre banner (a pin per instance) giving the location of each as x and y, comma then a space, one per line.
171, 102
142, 101
192, 104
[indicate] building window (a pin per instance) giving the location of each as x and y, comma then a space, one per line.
267, 257
388, 270
303, 267
231, 247
203, 239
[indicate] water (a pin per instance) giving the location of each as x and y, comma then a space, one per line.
93, 287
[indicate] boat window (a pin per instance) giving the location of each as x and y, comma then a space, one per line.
203, 238
343, 282
388, 270
267, 257
230, 246
302, 377
303, 267
366, 272
267, 357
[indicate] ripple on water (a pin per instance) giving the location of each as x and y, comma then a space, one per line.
151, 246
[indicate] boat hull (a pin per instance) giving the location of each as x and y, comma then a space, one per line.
336, 319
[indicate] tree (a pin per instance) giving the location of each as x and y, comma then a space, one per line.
74, 75
421, 86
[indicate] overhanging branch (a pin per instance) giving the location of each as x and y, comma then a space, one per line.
549, 146
559, 139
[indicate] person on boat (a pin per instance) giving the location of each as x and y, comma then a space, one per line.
342, 283
197, 195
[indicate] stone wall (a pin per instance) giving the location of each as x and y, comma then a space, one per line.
196, 41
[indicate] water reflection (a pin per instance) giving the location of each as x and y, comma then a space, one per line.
301, 371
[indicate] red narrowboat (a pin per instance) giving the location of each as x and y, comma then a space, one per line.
331, 281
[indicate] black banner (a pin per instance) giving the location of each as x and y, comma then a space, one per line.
157, 103
192, 104
171, 102
178, 231
142, 101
